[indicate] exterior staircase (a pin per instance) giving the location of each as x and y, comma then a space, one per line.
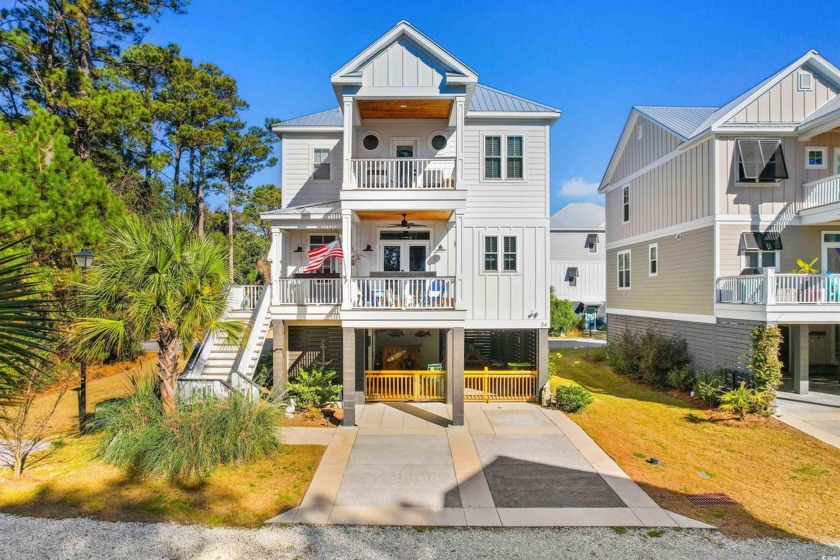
219, 366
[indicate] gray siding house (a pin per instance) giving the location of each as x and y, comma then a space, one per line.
578, 256
436, 188
708, 210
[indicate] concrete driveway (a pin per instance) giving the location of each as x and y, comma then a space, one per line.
816, 414
512, 464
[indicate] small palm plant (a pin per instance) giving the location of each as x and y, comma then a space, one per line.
160, 281
741, 401
806, 267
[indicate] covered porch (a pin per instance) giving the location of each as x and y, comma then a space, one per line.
810, 356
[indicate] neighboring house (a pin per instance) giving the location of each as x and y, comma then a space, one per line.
578, 256
708, 210
437, 188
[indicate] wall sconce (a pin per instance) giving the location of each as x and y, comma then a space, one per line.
299, 249
367, 249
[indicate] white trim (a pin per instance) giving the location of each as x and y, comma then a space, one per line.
795, 313
482, 162
824, 246
823, 149
690, 317
663, 232
500, 255
801, 77
305, 129
437, 133
628, 253
651, 260
625, 204
403, 140
513, 114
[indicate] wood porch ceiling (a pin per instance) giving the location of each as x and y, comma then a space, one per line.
396, 215
404, 108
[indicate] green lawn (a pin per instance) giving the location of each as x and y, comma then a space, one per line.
784, 483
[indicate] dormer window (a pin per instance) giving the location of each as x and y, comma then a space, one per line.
760, 160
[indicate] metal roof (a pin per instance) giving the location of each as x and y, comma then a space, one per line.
317, 209
684, 121
493, 100
579, 215
832, 106
333, 117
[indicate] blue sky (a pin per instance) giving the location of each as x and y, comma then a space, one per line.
593, 60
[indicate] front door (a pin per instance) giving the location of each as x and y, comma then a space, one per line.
404, 148
830, 252
404, 256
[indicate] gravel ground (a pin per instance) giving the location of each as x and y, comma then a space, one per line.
22, 538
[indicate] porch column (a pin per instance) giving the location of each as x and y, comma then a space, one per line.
542, 359
278, 264
456, 371
347, 265
348, 353
460, 113
459, 260
347, 175
800, 360
278, 356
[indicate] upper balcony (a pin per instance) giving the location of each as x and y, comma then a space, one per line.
784, 295
820, 201
403, 173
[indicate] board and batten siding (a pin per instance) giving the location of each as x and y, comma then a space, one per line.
298, 152
506, 198
404, 63
770, 199
655, 143
798, 242
685, 279
678, 191
506, 296
418, 130
591, 281
725, 343
571, 246
784, 103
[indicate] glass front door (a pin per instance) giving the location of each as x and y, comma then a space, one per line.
831, 252
404, 256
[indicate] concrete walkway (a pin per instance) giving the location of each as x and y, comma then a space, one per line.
816, 414
512, 465
579, 342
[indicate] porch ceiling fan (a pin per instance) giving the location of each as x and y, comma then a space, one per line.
404, 223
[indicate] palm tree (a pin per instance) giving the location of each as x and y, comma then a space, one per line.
25, 328
161, 281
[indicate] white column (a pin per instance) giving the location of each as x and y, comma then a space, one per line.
769, 286
346, 266
278, 264
459, 260
347, 181
460, 113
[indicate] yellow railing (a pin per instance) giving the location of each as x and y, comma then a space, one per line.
507, 385
405, 385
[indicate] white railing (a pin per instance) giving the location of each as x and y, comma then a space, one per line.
404, 293
244, 297
819, 193
244, 363
404, 173
770, 289
309, 291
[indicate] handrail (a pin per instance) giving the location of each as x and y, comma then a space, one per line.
403, 173
309, 291
422, 292
500, 385
820, 192
258, 316
403, 385
771, 289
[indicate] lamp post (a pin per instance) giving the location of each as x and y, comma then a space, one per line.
84, 259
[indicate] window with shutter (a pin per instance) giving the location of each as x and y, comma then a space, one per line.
761, 160
514, 157
492, 157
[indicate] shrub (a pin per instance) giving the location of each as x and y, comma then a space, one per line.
598, 355
573, 398
765, 365
563, 316
201, 434
708, 385
314, 387
680, 378
647, 355
742, 401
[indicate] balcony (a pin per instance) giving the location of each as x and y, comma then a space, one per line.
403, 173
309, 291
404, 293
780, 289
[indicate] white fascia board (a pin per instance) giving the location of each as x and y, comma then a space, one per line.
304, 129
823, 124
403, 199
796, 314
699, 223
307, 313
402, 92
667, 315
760, 130
820, 214
402, 318
545, 115
506, 324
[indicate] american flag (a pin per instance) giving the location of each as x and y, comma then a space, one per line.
318, 255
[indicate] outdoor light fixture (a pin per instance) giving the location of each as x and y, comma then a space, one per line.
84, 259
367, 249
299, 249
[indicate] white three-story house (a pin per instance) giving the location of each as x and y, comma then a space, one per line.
437, 189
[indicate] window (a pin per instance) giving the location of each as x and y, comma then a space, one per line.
815, 157
626, 205
438, 142
760, 249
491, 253
805, 81
592, 242
370, 142
760, 259
624, 270
509, 256
514, 158
331, 264
761, 160
321, 159
653, 259
492, 157
572, 276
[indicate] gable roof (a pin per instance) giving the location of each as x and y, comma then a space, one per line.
332, 117
578, 216
489, 99
685, 122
